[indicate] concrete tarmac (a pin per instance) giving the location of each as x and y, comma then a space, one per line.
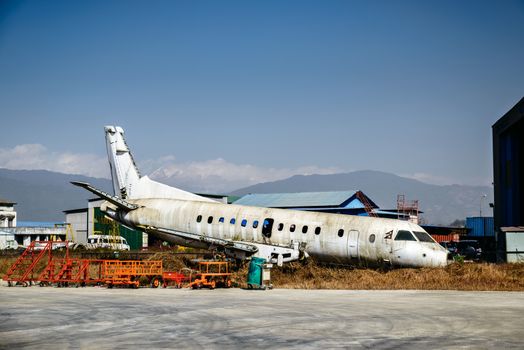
100, 318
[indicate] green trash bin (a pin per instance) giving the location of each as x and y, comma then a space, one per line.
254, 275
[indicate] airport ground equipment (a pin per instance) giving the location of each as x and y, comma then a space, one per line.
131, 272
259, 274
174, 278
38, 263
79, 272
82, 272
25, 268
212, 274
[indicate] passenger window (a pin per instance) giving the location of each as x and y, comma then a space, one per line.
317, 230
199, 218
255, 224
404, 236
304, 229
340, 232
232, 221
221, 220
280, 226
244, 223
292, 228
372, 238
210, 220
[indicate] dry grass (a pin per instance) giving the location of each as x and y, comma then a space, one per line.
171, 262
468, 276
482, 276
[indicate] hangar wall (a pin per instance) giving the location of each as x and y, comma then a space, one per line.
508, 171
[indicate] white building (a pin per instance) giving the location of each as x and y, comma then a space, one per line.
7, 213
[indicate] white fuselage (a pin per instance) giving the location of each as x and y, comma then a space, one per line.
277, 235
327, 237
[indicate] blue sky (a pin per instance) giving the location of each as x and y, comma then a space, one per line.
258, 90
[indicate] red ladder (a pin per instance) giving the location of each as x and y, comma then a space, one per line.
25, 265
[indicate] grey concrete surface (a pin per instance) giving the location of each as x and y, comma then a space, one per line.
100, 318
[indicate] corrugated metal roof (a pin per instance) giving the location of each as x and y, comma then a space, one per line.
294, 200
5, 201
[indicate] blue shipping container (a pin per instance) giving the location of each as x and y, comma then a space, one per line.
481, 226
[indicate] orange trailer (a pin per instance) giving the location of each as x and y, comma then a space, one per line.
212, 274
129, 272
177, 278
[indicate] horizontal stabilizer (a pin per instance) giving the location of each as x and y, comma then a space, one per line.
108, 197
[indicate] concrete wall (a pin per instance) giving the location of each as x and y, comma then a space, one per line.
78, 222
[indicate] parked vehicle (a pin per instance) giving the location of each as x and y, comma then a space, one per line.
107, 241
55, 245
451, 246
468, 249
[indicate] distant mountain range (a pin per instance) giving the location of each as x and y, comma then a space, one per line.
43, 195
441, 204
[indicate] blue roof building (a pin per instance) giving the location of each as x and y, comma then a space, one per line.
342, 202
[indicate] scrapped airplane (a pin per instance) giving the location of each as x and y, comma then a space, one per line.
278, 235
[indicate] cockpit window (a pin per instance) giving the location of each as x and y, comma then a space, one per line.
423, 236
404, 236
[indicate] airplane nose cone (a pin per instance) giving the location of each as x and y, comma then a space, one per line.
444, 259
440, 259
434, 258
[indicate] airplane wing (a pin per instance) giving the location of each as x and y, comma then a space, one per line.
119, 202
272, 253
217, 242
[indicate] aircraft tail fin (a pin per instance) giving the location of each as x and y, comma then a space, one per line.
127, 181
124, 171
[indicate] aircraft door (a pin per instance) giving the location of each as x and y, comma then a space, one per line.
353, 252
267, 228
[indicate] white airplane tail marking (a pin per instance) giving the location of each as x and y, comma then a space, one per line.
127, 182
